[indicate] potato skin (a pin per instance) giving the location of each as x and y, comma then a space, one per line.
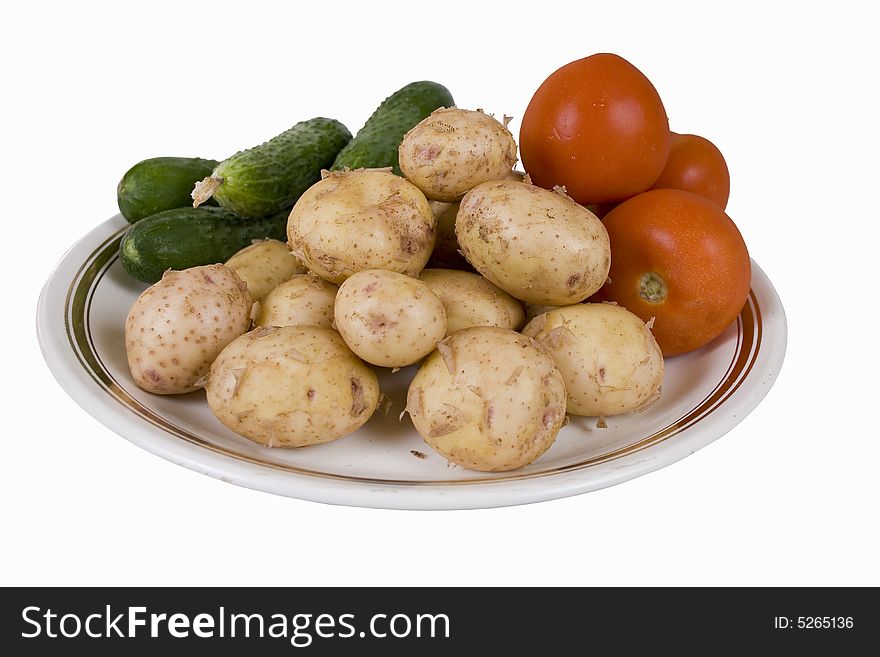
609, 359
471, 300
533, 311
454, 150
177, 326
538, 246
264, 265
362, 219
304, 300
389, 319
488, 399
291, 386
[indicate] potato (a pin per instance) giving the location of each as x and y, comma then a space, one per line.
471, 300
488, 399
454, 150
303, 300
176, 327
609, 359
264, 265
362, 219
389, 319
291, 386
538, 246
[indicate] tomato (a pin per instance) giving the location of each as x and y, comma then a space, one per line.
598, 127
679, 258
696, 165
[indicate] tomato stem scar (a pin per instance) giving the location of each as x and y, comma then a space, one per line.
652, 287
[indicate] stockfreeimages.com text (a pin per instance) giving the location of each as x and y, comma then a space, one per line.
299, 629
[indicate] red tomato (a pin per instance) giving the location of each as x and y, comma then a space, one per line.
598, 127
677, 257
696, 165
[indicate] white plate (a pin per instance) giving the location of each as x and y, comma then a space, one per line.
80, 321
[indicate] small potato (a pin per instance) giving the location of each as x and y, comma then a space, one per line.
303, 300
291, 386
538, 246
471, 300
609, 359
454, 150
488, 399
264, 265
177, 326
362, 219
389, 319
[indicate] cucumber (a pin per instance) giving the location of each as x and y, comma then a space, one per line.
268, 178
377, 142
159, 184
187, 237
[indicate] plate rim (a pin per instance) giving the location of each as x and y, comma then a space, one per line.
71, 373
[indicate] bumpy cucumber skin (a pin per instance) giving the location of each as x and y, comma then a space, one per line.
268, 178
188, 237
159, 184
377, 142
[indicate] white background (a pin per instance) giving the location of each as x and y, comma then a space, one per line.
786, 90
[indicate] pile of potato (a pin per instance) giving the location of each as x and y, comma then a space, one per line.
283, 336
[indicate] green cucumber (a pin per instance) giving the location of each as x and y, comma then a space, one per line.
268, 178
377, 142
159, 184
188, 237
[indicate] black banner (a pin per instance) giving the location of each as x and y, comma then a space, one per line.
342, 621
